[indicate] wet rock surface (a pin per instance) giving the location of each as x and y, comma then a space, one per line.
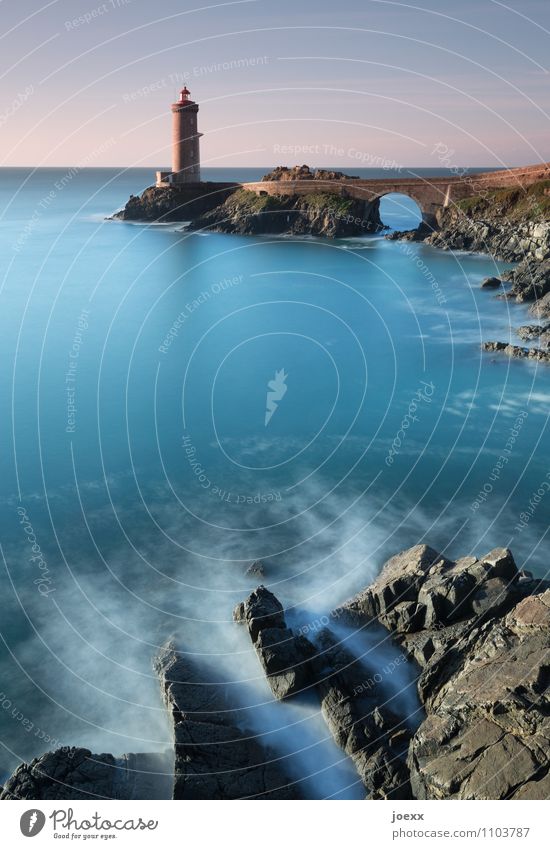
352, 701
284, 657
475, 636
361, 719
214, 758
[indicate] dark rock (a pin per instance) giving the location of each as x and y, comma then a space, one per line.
483, 648
282, 661
389, 599
530, 280
283, 656
75, 773
260, 610
214, 758
487, 734
491, 283
532, 331
175, 203
517, 351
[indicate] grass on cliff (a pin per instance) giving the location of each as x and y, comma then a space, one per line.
531, 204
250, 202
329, 200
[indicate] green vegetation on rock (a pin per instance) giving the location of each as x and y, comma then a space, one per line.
527, 204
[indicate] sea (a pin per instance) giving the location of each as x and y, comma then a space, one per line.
178, 405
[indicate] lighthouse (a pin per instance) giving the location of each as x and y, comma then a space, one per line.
186, 166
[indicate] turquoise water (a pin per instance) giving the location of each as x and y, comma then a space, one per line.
139, 472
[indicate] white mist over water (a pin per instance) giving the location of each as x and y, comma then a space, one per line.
138, 551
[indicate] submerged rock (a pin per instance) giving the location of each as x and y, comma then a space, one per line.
256, 569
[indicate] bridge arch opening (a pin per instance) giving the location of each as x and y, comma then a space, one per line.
399, 211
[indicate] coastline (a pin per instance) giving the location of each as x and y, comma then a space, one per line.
471, 634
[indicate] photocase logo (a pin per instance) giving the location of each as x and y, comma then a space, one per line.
32, 822
276, 390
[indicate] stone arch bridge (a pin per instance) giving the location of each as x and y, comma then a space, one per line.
432, 194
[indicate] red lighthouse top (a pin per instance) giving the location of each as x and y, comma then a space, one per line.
184, 101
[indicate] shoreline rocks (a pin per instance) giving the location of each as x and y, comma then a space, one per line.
517, 351
480, 631
284, 657
304, 172
229, 208
174, 203
76, 773
214, 758
475, 632
352, 701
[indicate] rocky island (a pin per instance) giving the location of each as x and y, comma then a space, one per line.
475, 633
510, 223
229, 208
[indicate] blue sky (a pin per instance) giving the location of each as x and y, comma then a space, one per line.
350, 83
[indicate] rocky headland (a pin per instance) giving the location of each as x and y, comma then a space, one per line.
513, 225
228, 208
475, 637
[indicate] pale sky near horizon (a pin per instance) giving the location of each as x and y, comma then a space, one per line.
353, 83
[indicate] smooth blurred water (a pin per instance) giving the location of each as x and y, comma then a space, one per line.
148, 502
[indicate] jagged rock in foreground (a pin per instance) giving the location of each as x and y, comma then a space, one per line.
352, 702
480, 632
487, 734
518, 352
320, 214
282, 655
214, 758
75, 773
356, 711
